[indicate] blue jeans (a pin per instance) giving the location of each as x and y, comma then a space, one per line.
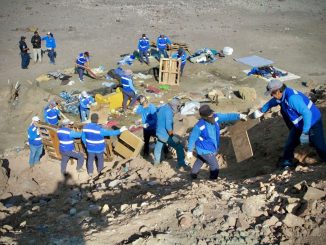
126, 96
51, 55
35, 154
143, 53
90, 160
177, 146
25, 60
316, 138
210, 159
181, 68
163, 52
80, 71
67, 155
84, 115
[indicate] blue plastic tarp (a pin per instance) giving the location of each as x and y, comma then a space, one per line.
255, 61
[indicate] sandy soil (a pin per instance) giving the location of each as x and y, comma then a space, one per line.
290, 32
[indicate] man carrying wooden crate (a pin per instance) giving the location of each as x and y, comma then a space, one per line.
205, 137
180, 55
93, 138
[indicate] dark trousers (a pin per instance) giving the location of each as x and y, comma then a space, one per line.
71, 154
148, 133
51, 55
90, 159
25, 60
163, 52
210, 159
126, 96
143, 54
316, 138
182, 68
80, 71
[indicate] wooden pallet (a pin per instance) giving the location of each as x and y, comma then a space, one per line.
128, 145
240, 139
51, 142
169, 71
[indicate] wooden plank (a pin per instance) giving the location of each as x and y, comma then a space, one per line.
241, 126
123, 150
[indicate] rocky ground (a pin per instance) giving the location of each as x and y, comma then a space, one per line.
132, 202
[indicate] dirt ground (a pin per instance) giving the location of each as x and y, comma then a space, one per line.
292, 33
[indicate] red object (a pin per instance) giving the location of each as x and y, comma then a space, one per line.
112, 123
152, 88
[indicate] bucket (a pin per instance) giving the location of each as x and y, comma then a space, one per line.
227, 50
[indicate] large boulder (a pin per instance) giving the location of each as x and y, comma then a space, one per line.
248, 94
253, 205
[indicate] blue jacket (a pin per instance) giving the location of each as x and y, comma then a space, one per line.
182, 57
143, 44
66, 138
127, 84
164, 122
85, 102
297, 107
51, 115
148, 115
93, 137
205, 137
81, 59
49, 42
161, 43
34, 137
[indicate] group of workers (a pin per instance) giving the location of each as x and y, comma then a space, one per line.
36, 42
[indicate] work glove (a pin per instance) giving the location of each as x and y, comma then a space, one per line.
176, 139
258, 114
243, 117
145, 125
190, 155
304, 139
123, 128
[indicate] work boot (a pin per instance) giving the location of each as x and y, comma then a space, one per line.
193, 176
286, 164
213, 174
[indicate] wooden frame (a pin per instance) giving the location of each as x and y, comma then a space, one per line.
169, 71
128, 145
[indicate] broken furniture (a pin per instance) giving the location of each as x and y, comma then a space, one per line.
169, 71
240, 139
128, 145
50, 141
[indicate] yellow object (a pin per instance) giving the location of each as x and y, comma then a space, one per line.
114, 99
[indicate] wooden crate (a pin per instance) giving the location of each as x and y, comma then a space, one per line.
51, 142
169, 71
128, 145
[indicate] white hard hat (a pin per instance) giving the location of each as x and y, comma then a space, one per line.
84, 94
36, 119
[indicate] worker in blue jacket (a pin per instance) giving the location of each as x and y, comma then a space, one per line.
162, 43
66, 138
149, 120
301, 116
128, 90
182, 56
85, 101
93, 138
52, 113
82, 62
50, 45
143, 47
34, 142
205, 138
164, 133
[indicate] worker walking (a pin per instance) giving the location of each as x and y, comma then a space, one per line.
182, 56
82, 62
164, 133
35, 142
149, 120
128, 90
66, 138
24, 53
52, 113
93, 138
301, 116
85, 101
37, 51
50, 45
162, 43
205, 138
143, 47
